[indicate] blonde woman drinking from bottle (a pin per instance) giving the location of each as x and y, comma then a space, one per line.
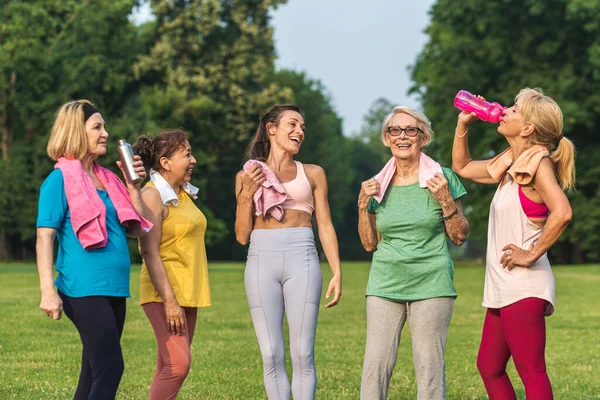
528, 214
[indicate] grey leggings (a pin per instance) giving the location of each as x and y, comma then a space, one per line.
428, 322
283, 275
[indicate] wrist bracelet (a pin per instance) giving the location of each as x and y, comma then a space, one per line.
452, 214
463, 135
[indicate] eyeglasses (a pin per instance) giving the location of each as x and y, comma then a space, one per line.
409, 131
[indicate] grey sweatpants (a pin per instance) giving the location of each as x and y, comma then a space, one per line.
428, 321
283, 275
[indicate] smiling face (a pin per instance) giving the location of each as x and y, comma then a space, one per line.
288, 135
96, 135
404, 147
180, 165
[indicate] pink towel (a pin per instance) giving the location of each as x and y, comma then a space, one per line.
522, 169
270, 195
88, 213
427, 169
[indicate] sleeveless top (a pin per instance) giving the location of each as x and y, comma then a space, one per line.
531, 208
300, 195
508, 224
183, 254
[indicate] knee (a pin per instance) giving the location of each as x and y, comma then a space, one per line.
305, 357
272, 359
376, 364
110, 371
183, 369
489, 369
180, 368
530, 367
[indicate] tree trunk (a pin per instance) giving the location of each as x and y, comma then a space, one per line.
7, 128
4, 254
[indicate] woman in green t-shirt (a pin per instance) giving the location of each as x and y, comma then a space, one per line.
418, 205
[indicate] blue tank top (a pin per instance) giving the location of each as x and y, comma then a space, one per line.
81, 273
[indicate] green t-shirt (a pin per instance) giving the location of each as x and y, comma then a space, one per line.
412, 261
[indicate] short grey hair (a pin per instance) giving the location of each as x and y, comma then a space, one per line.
423, 123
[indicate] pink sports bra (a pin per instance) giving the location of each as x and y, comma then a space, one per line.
531, 208
300, 195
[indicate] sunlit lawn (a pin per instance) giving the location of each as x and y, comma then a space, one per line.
39, 358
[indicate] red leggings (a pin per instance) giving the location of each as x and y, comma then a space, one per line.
174, 357
517, 330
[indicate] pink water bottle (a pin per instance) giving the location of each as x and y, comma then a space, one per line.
486, 111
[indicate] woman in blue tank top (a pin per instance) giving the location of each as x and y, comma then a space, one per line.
91, 213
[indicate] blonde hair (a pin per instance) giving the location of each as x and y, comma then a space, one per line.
547, 118
68, 137
423, 123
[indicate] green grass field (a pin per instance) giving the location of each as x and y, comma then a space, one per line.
39, 358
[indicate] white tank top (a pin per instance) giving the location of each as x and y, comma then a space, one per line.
508, 224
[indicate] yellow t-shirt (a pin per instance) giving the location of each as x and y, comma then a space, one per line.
183, 254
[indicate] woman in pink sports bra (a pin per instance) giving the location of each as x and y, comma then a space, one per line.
283, 274
528, 214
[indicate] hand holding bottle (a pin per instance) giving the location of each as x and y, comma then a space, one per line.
471, 104
130, 163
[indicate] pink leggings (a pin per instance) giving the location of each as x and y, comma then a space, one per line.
174, 358
517, 330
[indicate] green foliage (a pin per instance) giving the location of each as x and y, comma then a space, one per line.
370, 133
51, 52
208, 72
495, 49
203, 65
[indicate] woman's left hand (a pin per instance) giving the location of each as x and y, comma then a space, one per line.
335, 286
138, 167
515, 256
438, 186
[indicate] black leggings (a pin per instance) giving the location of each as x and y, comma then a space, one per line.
99, 321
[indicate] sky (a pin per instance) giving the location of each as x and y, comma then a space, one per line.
358, 50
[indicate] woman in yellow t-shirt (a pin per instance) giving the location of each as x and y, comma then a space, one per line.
174, 276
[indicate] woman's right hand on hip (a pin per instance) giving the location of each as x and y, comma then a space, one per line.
175, 317
52, 304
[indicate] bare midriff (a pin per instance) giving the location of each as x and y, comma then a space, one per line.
291, 219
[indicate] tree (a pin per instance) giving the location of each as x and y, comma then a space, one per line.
51, 52
207, 72
370, 132
495, 49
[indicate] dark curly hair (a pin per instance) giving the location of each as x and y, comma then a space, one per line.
165, 144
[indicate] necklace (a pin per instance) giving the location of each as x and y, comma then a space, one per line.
409, 175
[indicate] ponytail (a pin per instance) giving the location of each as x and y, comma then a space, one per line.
545, 114
563, 159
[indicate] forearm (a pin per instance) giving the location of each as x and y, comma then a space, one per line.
244, 220
136, 200
45, 259
457, 228
366, 231
330, 247
461, 156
